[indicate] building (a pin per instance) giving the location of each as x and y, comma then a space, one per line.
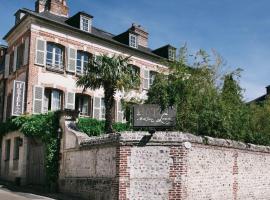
46, 52
264, 97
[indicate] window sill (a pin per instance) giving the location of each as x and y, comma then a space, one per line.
54, 69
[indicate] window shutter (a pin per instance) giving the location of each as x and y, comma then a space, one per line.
70, 100
7, 65
72, 57
96, 107
26, 51
146, 79
120, 112
15, 59
40, 52
38, 94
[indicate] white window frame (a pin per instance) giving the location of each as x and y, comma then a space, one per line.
83, 61
61, 62
133, 44
171, 54
82, 23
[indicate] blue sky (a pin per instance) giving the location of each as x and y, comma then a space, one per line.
239, 30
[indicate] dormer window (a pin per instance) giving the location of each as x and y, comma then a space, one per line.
133, 41
172, 54
85, 24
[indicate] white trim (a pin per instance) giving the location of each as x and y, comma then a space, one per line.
89, 23
136, 40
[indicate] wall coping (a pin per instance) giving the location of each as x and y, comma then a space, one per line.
166, 139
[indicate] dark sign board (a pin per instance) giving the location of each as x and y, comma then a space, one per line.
149, 115
18, 98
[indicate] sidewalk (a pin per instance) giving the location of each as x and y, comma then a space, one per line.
8, 188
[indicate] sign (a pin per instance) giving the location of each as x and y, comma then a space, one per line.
149, 115
18, 98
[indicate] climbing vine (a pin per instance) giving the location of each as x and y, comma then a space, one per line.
44, 127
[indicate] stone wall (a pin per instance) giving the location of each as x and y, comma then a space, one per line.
168, 165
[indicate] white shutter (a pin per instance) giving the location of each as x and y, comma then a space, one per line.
146, 76
15, 59
120, 112
72, 57
26, 51
70, 100
38, 95
97, 107
40, 58
7, 59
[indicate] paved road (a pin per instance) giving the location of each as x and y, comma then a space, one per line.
6, 194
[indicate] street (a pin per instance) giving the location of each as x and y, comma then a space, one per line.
6, 194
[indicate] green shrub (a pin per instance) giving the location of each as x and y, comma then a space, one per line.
94, 127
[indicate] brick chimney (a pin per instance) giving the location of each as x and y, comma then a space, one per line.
57, 7
268, 90
142, 34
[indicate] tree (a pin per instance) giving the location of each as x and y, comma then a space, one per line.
112, 74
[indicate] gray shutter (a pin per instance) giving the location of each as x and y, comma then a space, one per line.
120, 112
70, 100
40, 58
26, 51
146, 79
38, 94
97, 107
7, 59
15, 59
72, 57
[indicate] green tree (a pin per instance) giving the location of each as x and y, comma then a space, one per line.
112, 74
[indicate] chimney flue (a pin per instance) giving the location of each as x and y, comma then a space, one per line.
142, 34
57, 7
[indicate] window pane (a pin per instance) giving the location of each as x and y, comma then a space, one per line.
56, 100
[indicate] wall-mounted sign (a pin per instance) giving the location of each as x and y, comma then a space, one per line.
149, 115
18, 98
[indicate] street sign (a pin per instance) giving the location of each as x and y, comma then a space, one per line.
18, 98
151, 116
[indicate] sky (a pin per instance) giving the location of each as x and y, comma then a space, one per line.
239, 30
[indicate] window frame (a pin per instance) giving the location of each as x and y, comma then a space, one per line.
83, 61
152, 76
133, 44
79, 105
87, 19
49, 103
53, 64
171, 54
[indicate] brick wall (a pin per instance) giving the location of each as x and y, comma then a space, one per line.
172, 165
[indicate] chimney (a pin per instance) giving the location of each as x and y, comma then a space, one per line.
142, 34
268, 90
40, 6
57, 7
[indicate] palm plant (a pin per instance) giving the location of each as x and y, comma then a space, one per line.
112, 74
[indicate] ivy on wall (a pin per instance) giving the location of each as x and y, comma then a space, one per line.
44, 127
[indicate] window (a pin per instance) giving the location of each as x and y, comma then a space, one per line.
83, 59
11, 61
136, 72
85, 24
82, 104
172, 54
152, 77
16, 151
20, 52
102, 107
133, 41
7, 150
55, 56
53, 100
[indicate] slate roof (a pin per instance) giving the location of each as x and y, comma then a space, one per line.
96, 32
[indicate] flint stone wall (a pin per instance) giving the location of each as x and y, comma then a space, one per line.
168, 165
